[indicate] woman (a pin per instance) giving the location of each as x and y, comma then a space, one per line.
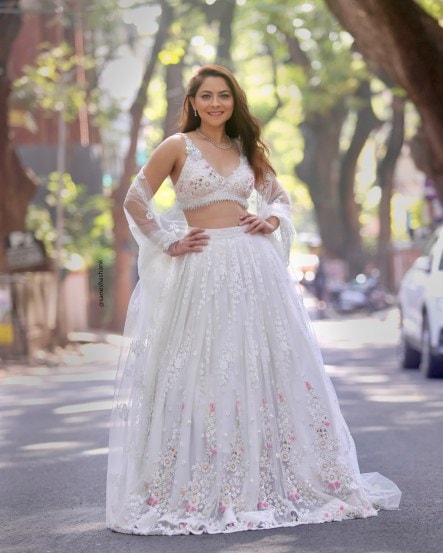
224, 418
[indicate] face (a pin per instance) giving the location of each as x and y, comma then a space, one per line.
214, 101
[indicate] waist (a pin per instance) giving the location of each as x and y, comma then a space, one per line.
220, 215
224, 232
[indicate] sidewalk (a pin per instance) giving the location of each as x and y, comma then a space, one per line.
83, 349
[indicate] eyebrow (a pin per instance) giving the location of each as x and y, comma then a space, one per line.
210, 91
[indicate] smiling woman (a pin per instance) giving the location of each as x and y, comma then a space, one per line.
223, 418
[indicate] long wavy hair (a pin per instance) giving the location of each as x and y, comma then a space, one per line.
242, 125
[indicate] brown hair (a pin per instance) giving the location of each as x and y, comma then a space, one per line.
241, 125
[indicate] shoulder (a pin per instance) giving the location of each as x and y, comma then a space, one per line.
168, 152
172, 145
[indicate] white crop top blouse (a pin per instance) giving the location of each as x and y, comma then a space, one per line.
199, 184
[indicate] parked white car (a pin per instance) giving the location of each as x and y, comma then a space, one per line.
420, 300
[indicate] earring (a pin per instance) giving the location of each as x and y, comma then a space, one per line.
195, 113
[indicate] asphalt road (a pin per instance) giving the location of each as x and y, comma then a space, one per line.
53, 426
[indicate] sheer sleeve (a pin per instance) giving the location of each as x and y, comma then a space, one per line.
273, 200
145, 221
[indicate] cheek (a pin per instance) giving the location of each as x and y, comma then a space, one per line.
230, 105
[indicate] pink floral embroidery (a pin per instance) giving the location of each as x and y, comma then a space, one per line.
190, 508
334, 486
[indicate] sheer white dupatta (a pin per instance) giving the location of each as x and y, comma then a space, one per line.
270, 198
147, 222
153, 229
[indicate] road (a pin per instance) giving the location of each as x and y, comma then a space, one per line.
54, 421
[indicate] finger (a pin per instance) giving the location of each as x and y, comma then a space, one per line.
195, 239
199, 242
197, 245
248, 220
256, 226
198, 236
196, 231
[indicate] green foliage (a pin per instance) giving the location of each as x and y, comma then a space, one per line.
433, 7
50, 83
87, 222
281, 92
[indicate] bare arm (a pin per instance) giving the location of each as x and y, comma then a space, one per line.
163, 162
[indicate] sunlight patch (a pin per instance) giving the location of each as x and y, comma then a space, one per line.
413, 398
45, 446
102, 405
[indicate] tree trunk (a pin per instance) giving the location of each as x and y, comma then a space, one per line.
366, 123
407, 44
319, 169
225, 34
16, 186
223, 13
174, 93
123, 266
386, 180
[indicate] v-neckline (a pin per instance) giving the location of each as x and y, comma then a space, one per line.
240, 159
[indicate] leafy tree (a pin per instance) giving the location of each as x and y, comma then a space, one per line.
334, 116
50, 83
88, 222
405, 41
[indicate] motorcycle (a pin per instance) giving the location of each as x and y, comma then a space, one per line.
361, 294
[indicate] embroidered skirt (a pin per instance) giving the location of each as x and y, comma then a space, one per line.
224, 418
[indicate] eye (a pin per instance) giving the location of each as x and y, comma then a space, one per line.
225, 95
205, 96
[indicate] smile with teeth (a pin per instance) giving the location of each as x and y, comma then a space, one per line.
215, 113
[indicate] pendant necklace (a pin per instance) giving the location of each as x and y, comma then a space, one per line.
198, 131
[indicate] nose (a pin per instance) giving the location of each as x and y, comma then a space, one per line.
215, 101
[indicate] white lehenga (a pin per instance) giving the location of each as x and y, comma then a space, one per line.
224, 418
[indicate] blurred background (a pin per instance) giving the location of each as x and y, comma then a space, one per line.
349, 94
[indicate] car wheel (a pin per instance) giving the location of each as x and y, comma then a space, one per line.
430, 365
409, 356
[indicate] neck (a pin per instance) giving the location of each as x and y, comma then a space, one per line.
216, 134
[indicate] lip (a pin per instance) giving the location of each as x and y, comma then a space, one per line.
215, 113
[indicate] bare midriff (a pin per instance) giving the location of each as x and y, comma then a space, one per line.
217, 215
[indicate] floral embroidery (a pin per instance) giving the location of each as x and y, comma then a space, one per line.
199, 184
231, 421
